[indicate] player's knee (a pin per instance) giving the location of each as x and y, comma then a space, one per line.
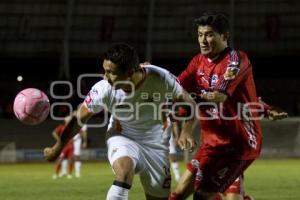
124, 169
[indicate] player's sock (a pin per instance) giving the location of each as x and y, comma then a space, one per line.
175, 196
64, 165
118, 191
77, 168
175, 169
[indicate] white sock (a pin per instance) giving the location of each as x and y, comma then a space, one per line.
64, 165
175, 169
77, 168
117, 193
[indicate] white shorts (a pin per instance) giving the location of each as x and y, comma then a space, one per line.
151, 164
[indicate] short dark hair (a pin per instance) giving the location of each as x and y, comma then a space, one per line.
217, 20
123, 55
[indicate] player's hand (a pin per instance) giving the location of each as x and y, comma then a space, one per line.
51, 153
186, 142
274, 115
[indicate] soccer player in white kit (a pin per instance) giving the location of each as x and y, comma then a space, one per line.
135, 137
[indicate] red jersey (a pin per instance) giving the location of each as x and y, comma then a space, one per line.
59, 130
228, 126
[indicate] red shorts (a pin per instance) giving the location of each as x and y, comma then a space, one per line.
216, 173
68, 151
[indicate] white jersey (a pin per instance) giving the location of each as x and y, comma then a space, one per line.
137, 115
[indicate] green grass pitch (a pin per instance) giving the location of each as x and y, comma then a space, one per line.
264, 180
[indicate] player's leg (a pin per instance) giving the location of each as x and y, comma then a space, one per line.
77, 165
217, 173
123, 159
58, 165
185, 186
156, 175
77, 161
235, 190
69, 155
124, 173
64, 165
246, 197
70, 166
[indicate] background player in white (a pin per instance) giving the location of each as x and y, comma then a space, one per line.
135, 138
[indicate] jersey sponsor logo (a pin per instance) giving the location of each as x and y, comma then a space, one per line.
231, 72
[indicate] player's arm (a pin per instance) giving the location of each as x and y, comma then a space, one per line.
72, 128
175, 130
186, 139
271, 112
55, 135
213, 96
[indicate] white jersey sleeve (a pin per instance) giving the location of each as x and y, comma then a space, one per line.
98, 97
173, 88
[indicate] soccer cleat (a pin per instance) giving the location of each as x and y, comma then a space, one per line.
69, 176
54, 177
247, 197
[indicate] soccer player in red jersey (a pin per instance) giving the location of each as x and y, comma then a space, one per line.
221, 79
67, 153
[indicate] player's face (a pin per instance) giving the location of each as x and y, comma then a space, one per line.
211, 42
113, 74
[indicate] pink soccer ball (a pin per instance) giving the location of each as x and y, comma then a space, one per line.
31, 106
